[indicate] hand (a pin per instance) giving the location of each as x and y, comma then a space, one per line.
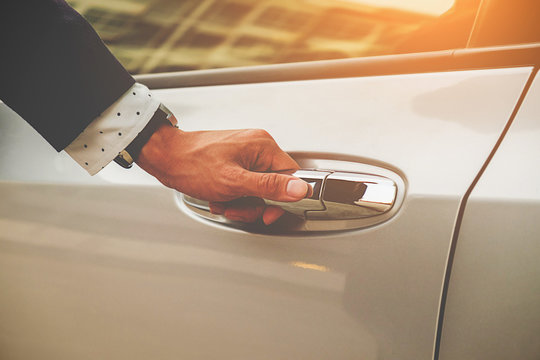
225, 167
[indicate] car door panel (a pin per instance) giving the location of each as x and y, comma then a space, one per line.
492, 308
112, 267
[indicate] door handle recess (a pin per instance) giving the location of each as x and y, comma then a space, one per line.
354, 197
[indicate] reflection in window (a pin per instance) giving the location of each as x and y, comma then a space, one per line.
256, 48
283, 18
340, 24
157, 35
196, 39
449, 31
226, 12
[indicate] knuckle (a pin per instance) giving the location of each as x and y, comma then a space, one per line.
268, 184
230, 186
259, 134
226, 192
264, 134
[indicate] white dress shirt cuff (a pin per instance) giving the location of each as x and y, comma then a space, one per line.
114, 129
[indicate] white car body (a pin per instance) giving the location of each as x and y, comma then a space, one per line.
115, 267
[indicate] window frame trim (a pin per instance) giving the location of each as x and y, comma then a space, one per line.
436, 61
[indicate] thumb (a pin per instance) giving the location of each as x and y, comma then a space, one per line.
274, 186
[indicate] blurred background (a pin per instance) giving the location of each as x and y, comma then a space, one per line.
151, 36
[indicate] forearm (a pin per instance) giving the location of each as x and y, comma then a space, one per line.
59, 76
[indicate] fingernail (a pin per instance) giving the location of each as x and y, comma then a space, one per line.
217, 209
297, 188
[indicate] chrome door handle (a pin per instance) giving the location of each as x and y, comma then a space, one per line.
339, 195
346, 195
316, 179
354, 197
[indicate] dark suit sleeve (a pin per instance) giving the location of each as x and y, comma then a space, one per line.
55, 71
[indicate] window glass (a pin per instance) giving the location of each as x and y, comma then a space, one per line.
170, 35
503, 22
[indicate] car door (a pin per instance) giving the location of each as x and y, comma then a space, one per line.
491, 296
118, 266
491, 307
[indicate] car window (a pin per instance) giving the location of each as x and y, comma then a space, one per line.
170, 35
503, 22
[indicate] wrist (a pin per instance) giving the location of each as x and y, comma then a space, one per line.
157, 147
161, 117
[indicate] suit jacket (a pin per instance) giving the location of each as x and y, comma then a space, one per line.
55, 71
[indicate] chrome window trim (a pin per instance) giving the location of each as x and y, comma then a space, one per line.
437, 61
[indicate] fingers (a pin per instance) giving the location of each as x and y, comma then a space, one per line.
244, 209
217, 208
272, 214
276, 185
246, 214
283, 162
273, 186
247, 210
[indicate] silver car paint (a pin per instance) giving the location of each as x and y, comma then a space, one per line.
493, 307
110, 267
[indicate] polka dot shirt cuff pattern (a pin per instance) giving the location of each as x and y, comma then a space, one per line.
114, 129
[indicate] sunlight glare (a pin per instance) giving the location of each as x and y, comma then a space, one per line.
431, 7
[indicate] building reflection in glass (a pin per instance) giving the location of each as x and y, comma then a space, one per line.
169, 35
